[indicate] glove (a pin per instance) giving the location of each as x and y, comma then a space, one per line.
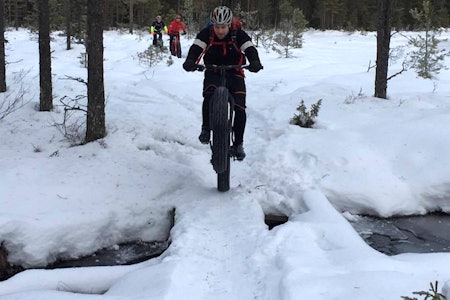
189, 65
184, 33
255, 66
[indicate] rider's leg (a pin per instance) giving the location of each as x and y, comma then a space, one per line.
237, 87
240, 119
209, 85
205, 134
205, 111
154, 39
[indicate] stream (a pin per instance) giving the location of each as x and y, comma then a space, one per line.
404, 234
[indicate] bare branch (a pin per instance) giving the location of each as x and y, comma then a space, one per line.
79, 79
399, 72
371, 66
73, 129
15, 100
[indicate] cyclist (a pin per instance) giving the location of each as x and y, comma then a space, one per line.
224, 44
175, 27
156, 30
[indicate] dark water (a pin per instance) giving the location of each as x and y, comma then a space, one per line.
408, 234
404, 234
123, 254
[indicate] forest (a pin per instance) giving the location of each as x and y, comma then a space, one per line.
255, 14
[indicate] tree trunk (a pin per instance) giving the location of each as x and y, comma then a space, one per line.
68, 24
384, 8
131, 16
45, 67
16, 14
95, 127
2, 48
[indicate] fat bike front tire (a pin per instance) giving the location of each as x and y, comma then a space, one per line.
223, 180
221, 137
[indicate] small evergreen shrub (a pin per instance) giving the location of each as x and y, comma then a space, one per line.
152, 56
431, 294
304, 118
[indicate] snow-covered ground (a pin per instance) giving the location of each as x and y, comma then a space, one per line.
364, 155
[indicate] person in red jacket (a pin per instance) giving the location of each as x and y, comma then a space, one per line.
175, 27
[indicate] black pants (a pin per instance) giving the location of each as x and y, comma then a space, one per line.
157, 36
236, 86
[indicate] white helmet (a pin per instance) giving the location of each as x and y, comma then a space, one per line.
221, 15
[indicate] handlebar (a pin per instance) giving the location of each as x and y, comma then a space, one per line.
201, 68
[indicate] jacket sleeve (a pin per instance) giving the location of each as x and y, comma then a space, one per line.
252, 54
200, 43
152, 28
194, 52
247, 46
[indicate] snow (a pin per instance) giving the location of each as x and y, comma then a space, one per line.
363, 156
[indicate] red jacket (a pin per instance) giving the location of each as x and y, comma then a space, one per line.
176, 26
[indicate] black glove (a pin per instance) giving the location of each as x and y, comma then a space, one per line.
255, 66
184, 33
189, 65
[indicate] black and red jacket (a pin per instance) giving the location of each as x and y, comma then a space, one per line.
231, 50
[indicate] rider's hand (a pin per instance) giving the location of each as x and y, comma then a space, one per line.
189, 65
184, 33
255, 66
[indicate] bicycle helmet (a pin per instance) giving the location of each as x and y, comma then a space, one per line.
221, 15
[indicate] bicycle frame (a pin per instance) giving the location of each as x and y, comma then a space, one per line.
176, 46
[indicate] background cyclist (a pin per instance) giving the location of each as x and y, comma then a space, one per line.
175, 27
156, 29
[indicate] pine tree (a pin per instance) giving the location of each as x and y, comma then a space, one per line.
427, 58
291, 29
